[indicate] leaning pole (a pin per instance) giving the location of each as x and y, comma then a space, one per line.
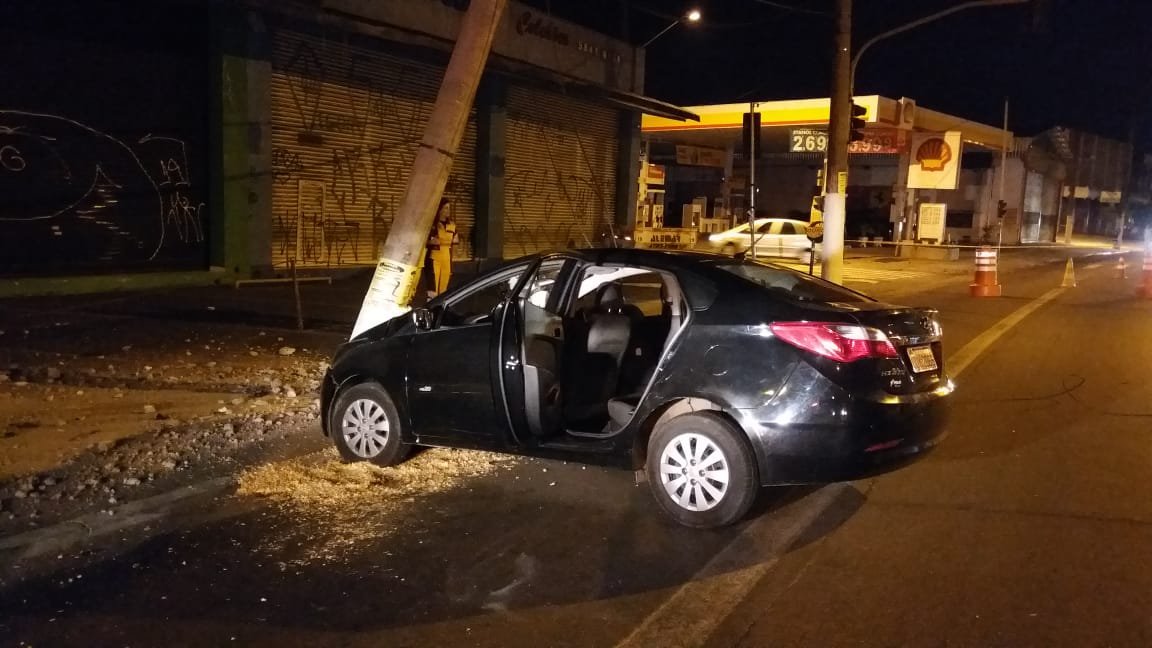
398, 270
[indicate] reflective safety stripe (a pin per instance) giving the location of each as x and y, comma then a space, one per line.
985, 259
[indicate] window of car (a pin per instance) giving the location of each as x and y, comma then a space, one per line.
639, 287
475, 303
791, 284
538, 298
788, 229
596, 276
762, 228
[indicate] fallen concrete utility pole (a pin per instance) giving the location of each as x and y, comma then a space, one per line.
398, 271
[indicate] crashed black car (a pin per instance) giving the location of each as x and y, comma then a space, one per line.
716, 376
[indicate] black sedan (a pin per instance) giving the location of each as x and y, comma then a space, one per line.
713, 375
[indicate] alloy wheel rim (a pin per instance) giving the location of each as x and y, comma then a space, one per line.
694, 472
365, 427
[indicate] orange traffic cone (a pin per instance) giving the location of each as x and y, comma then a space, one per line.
984, 283
1145, 290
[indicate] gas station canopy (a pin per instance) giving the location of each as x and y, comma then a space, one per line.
720, 124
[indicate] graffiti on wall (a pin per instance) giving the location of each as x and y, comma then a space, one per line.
564, 185
351, 125
73, 196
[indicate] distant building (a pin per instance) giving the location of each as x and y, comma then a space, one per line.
1057, 177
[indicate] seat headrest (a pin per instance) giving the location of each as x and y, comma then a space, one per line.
608, 294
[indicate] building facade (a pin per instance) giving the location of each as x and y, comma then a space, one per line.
199, 141
1057, 180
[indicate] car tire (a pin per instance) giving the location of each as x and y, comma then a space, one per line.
365, 426
729, 249
691, 442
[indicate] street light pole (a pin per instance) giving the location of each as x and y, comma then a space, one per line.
836, 175
692, 16
924, 21
843, 87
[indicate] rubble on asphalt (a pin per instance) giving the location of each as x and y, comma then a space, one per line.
187, 407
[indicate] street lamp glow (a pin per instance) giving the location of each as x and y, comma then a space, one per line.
690, 17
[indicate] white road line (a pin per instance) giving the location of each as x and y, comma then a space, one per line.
690, 615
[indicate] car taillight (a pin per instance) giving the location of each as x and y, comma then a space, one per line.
840, 342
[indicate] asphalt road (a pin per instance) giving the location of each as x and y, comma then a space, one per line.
1030, 525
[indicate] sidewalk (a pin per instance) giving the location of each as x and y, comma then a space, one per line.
926, 274
113, 396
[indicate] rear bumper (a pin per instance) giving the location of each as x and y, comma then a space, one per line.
862, 438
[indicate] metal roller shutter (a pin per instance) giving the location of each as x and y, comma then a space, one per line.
346, 122
560, 173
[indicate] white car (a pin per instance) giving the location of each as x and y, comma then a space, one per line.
775, 237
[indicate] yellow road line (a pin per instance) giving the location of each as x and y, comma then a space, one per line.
694, 611
690, 615
978, 345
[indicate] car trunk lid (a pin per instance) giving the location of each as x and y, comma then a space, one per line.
917, 337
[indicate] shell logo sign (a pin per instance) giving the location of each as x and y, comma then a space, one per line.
934, 154
935, 162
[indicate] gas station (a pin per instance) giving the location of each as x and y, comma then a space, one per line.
915, 174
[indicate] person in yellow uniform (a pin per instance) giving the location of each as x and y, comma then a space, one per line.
440, 241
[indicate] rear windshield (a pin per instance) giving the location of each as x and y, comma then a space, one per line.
791, 284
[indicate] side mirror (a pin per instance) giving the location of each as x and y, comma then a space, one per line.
423, 318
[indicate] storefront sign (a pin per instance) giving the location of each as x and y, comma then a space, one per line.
880, 140
933, 216
524, 34
876, 140
935, 162
807, 140
699, 156
665, 238
654, 174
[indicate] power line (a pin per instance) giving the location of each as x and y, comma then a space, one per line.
707, 23
794, 9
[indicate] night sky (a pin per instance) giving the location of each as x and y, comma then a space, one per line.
1081, 63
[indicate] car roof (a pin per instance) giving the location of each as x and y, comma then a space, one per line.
775, 219
658, 259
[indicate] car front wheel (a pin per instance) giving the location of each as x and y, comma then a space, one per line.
702, 471
366, 426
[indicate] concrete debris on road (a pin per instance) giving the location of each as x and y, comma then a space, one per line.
212, 398
357, 502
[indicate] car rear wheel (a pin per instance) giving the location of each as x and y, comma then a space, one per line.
702, 471
366, 426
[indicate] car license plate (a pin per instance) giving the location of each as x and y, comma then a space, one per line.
922, 359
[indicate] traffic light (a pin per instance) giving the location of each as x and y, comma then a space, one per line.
1001, 209
856, 123
816, 211
751, 136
